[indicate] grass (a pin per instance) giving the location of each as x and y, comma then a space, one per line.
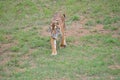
27, 53
14, 49
89, 23
84, 60
75, 18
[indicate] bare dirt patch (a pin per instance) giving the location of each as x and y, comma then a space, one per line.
114, 66
76, 29
116, 34
99, 29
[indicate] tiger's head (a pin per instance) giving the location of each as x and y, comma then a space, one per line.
55, 29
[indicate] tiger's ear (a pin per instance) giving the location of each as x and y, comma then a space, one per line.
64, 15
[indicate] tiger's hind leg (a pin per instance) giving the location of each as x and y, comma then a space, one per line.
63, 42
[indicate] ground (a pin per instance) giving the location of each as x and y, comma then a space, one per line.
92, 35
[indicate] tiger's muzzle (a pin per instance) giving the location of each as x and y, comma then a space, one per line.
56, 32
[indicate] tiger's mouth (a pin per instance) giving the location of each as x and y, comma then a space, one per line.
55, 36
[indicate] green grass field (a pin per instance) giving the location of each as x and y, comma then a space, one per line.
25, 52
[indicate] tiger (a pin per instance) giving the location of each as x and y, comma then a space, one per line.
57, 29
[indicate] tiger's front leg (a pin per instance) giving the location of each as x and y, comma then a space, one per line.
53, 45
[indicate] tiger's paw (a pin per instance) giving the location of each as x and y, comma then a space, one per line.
63, 46
53, 54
